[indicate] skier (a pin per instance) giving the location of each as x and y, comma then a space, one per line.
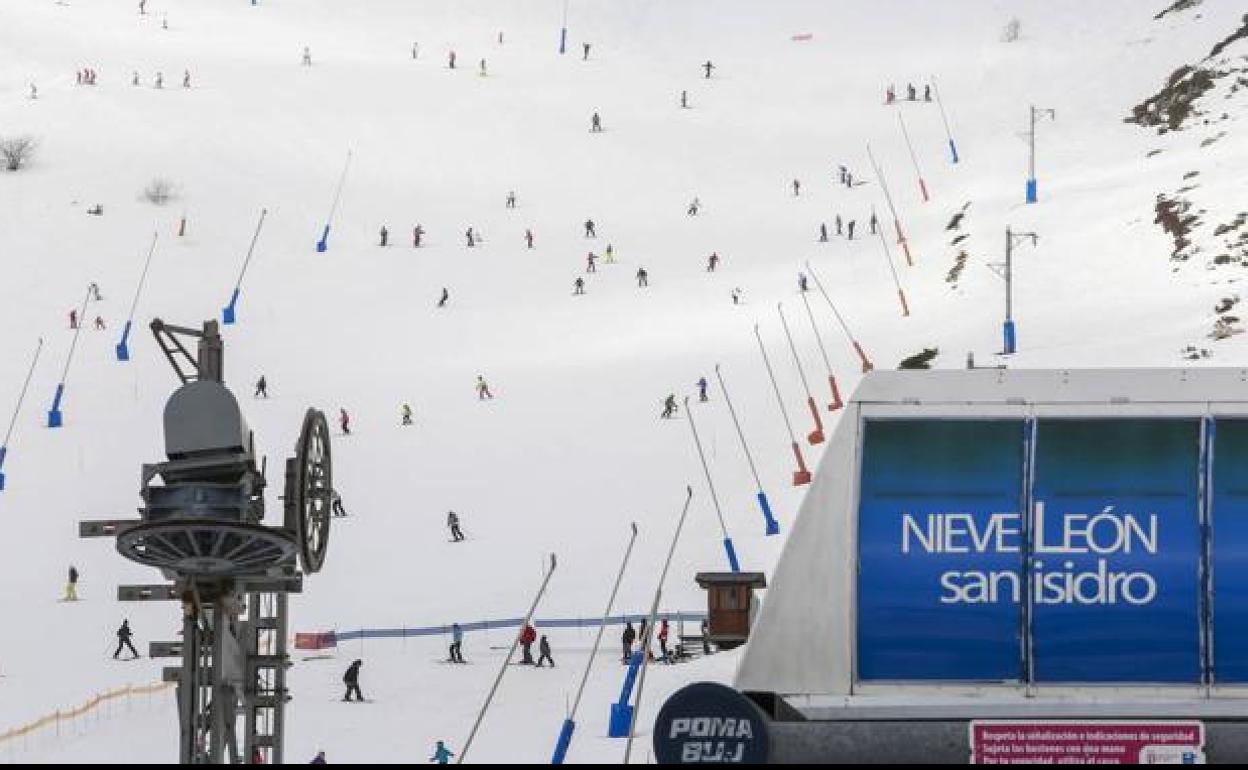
585, 51
684, 100
94, 289
472, 241
528, 238
873, 222
890, 95
708, 67
262, 388
344, 421
417, 233
669, 407
123, 640
627, 639
450, 60
34, 91
823, 232
352, 680
99, 324
414, 50
702, 384
457, 644
528, 635
927, 92
543, 649
797, 188
71, 587
643, 278
307, 56
511, 199
712, 262
843, 173
736, 296
838, 225
578, 286
589, 263
385, 236
445, 296
319, 759
142, 7
186, 78
595, 124
694, 205
441, 754
134, 79
452, 523
73, 319
663, 638
481, 70
160, 80
610, 254
849, 229
483, 389
910, 92
335, 505
849, 179
589, 229
406, 412
802, 286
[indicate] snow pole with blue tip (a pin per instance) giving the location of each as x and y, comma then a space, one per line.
228, 312
773, 526
123, 346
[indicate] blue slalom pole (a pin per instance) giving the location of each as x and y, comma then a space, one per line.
772, 526
565, 740
1011, 338
323, 244
953, 148
732, 555
953, 151
1032, 192
622, 710
123, 347
228, 312
55, 417
21, 397
706, 470
563, 31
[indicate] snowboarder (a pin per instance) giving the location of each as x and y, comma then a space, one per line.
511, 199
839, 230
802, 286
457, 644
823, 232
307, 56
627, 639
684, 100
702, 384
344, 421
584, 51
589, 263
452, 523
736, 296
352, 680
528, 238
445, 296
406, 412
99, 323
578, 286
418, 232
124, 635
873, 222
71, 587
669, 407
483, 389
543, 649
441, 754
643, 278
708, 66
262, 388
385, 236
797, 188
186, 78
595, 124
849, 229
472, 239
712, 262
73, 319
589, 229
335, 506
694, 205
528, 635
450, 60
663, 638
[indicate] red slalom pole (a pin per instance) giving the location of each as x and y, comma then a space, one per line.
862, 356
901, 294
913, 157
815, 436
801, 476
888, 198
837, 403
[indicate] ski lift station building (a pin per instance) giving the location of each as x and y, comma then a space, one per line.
994, 546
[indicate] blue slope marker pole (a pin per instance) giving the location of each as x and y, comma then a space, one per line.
731, 552
21, 397
773, 526
55, 417
227, 313
123, 347
953, 148
323, 244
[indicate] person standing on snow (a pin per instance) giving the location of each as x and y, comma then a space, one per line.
702, 383
849, 229
335, 505
385, 236
307, 56
610, 254
797, 188
589, 263
643, 278
528, 635
839, 230
511, 199
446, 295
590, 232
481, 69
543, 649
124, 634
873, 223
417, 233
708, 67
472, 240
736, 296
578, 286
483, 389
823, 232
595, 124
528, 238
712, 262
663, 639
669, 407
186, 78
406, 412
344, 421
415, 49
262, 388
627, 638
684, 100
694, 205
352, 680
457, 644
450, 60
441, 754
584, 51
99, 323
802, 286
452, 523
71, 587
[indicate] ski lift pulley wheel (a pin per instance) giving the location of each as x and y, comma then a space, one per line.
313, 490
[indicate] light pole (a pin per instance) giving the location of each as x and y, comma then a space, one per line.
1006, 271
1034, 115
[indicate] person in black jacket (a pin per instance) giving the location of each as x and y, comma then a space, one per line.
352, 680
543, 649
123, 639
629, 636
71, 588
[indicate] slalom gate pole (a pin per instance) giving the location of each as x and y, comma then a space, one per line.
888, 198
773, 527
905, 133
953, 148
816, 436
55, 417
123, 347
654, 611
802, 474
733, 564
862, 356
837, 403
463, 752
323, 243
227, 313
17, 409
569, 724
888, 257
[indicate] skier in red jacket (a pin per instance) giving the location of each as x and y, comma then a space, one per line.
528, 635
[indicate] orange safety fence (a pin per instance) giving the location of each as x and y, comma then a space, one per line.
56, 718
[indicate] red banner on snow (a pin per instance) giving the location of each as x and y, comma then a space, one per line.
1008, 742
